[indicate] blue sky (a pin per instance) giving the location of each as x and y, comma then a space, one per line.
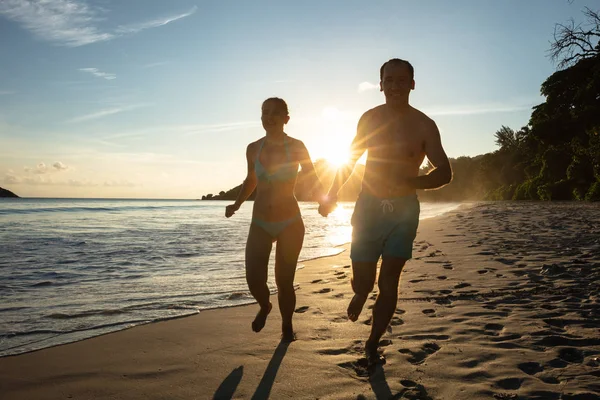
157, 99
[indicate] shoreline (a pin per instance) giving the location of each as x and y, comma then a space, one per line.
499, 300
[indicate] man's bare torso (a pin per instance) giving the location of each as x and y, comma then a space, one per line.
396, 149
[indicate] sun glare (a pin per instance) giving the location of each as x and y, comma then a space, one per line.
337, 134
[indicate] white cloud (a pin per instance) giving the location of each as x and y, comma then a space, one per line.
11, 178
475, 109
71, 23
59, 166
68, 22
364, 86
135, 28
5, 92
99, 74
106, 112
42, 168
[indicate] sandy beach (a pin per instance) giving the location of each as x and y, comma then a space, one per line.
501, 301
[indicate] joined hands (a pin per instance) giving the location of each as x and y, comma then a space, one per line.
327, 204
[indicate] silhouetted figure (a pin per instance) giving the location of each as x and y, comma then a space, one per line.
272, 170
386, 215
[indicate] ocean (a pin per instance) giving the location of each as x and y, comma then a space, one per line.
71, 269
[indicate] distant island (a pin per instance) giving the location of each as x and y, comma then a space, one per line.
6, 193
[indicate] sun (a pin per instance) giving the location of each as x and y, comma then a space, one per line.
337, 133
337, 156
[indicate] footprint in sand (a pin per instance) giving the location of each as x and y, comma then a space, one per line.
413, 391
338, 296
342, 276
340, 319
462, 285
510, 383
359, 367
301, 310
419, 356
396, 321
339, 273
493, 327
324, 290
317, 281
442, 277
483, 271
530, 368
428, 311
449, 267
416, 280
400, 311
445, 291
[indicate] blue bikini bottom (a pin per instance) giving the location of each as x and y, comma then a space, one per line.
274, 228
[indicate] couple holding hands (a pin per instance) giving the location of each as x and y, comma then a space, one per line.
386, 214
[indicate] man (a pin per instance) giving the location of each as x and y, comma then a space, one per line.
397, 137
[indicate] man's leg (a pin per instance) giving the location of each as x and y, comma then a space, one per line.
363, 280
385, 305
289, 244
258, 250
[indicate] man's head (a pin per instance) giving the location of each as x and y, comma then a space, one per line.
396, 80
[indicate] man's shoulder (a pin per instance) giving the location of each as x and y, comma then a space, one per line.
420, 116
373, 111
371, 115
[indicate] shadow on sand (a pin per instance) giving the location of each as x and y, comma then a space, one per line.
229, 385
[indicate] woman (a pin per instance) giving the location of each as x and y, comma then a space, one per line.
272, 169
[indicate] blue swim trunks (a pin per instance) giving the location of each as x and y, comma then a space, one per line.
384, 227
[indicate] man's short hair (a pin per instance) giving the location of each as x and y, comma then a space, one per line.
397, 61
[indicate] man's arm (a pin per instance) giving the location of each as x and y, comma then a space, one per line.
442, 172
308, 169
248, 185
357, 149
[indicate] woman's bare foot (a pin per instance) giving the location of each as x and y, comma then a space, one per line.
355, 307
261, 318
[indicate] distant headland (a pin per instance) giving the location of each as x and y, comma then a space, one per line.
6, 193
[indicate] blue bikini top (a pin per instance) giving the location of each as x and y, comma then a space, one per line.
284, 173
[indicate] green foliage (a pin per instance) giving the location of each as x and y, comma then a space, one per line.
528, 190
593, 193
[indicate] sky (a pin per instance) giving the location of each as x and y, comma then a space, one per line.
157, 99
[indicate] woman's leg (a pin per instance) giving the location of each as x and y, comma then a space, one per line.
289, 244
258, 250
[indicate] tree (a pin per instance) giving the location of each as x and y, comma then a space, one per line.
573, 43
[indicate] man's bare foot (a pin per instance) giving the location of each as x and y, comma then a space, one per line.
287, 334
355, 307
261, 318
373, 357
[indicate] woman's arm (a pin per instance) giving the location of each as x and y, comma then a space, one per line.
248, 185
308, 169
